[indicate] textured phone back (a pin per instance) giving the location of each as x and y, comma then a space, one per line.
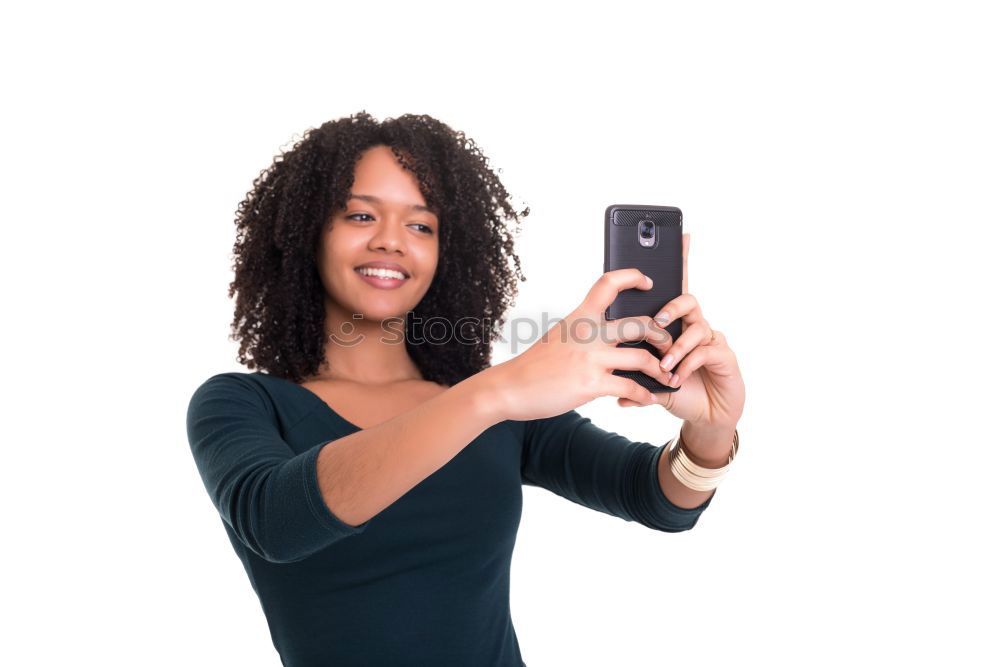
662, 262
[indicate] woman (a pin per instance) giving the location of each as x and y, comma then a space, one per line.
369, 473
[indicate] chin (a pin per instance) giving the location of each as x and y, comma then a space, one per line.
385, 314
380, 309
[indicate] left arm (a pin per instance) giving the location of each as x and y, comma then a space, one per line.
712, 396
574, 458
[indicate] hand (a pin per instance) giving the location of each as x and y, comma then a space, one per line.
572, 363
711, 392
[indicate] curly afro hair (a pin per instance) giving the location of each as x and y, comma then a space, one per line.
280, 316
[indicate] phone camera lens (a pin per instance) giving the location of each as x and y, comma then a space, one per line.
646, 229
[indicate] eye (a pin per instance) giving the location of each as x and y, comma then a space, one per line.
355, 215
426, 228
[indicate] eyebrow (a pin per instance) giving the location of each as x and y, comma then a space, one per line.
375, 200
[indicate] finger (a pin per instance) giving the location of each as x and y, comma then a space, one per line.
685, 244
653, 334
607, 287
627, 329
626, 403
685, 306
704, 356
616, 385
697, 334
660, 339
635, 359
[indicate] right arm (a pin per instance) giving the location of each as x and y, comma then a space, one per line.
285, 506
367, 471
363, 473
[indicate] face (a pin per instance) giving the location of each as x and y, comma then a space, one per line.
385, 230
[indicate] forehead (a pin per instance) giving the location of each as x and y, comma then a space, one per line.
379, 179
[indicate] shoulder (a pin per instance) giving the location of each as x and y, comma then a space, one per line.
243, 387
233, 380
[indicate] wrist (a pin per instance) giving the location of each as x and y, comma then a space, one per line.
708, 445
486, 396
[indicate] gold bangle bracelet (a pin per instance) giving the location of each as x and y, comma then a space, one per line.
694, 476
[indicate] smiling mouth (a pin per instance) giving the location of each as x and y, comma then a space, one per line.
382, 274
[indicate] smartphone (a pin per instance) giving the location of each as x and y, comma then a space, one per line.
647, 238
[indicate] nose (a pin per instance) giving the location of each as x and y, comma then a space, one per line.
387, 237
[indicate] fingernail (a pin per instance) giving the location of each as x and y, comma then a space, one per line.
667, 362
662, 321
649, 281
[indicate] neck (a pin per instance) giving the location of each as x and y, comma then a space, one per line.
356, 352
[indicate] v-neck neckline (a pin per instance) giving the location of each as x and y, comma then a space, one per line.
316, 397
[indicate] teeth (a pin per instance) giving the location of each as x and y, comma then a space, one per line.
381, 273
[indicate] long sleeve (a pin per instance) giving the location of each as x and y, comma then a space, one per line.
266, 493
572, 457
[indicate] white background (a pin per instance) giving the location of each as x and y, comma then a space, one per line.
837, 167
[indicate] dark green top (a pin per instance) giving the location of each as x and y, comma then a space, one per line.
427, 580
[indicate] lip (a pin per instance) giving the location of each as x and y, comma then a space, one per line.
383, 265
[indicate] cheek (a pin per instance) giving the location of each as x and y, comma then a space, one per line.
429, 260
337, 246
